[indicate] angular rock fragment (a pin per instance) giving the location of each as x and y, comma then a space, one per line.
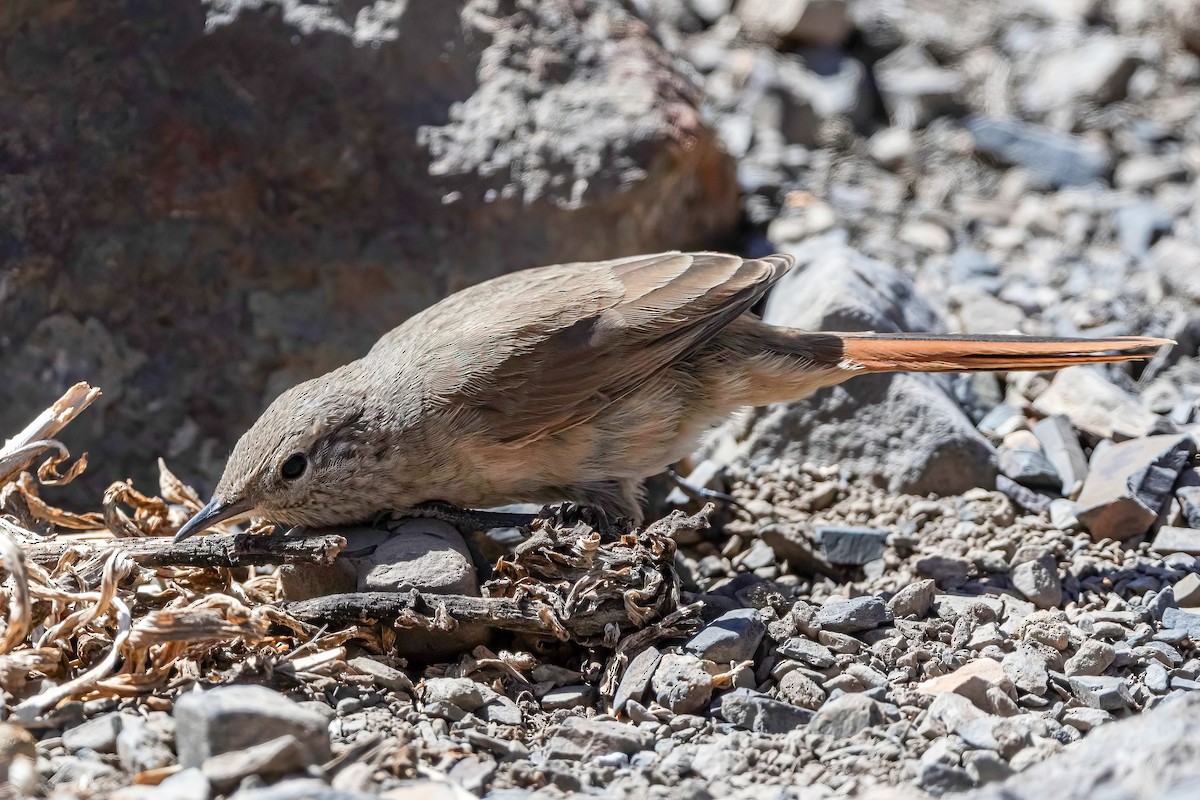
1060, 443
229, 718
733, 636
851, 546
754, 711
1170, 539
1129, 484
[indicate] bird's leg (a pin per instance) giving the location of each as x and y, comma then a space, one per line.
469, 519
701, 492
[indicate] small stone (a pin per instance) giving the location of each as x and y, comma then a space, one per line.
731, 637
142, 742
972, 681
1129, 483
1187, 590
845, 716
584, 739
800, 690
915, 89
268, 759
1060, 443
1176, 540
1026, 668
1094, 405
985, 767
98, 734
229, 718
814, 654
1029, 468
462, 693
914, 600
502, 711
839, 642
564, 697
1038, 581
383, 675
938, 779
1092, 658
754, 711
682, 684
1102, 692
1189, 502
187, 784
1156, 678
1086, 718
814, 22
891, 147
948, 572
636, 678
1051, 158
1185, 620
851, 616
851, 546
1062, 514
1097, 71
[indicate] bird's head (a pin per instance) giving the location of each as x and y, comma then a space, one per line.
306, 461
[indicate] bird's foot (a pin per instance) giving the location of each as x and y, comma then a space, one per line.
701, 492
466, 519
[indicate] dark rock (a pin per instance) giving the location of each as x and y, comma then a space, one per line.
98, 734
1053, 159
1023, 496
938, 779
1060, 443
907, 428
731, 637
636, 678
1129, 483
852, 616
341, 170
853, 546
754, 711
1029, 468
236, 717
844, 716
814, 654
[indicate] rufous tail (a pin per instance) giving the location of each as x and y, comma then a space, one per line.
920, 352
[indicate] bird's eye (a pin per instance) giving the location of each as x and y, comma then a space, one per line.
294, 467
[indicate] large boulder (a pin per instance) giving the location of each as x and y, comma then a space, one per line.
905, 428
204, 203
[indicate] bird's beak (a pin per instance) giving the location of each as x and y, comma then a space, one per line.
214, 513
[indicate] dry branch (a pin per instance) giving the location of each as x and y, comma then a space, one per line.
216, 550
415, 610
20, 451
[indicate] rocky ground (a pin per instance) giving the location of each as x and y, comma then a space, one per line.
929, 586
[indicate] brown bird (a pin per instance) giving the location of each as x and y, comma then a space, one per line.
569, 382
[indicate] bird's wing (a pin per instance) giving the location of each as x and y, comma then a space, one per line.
595, 331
